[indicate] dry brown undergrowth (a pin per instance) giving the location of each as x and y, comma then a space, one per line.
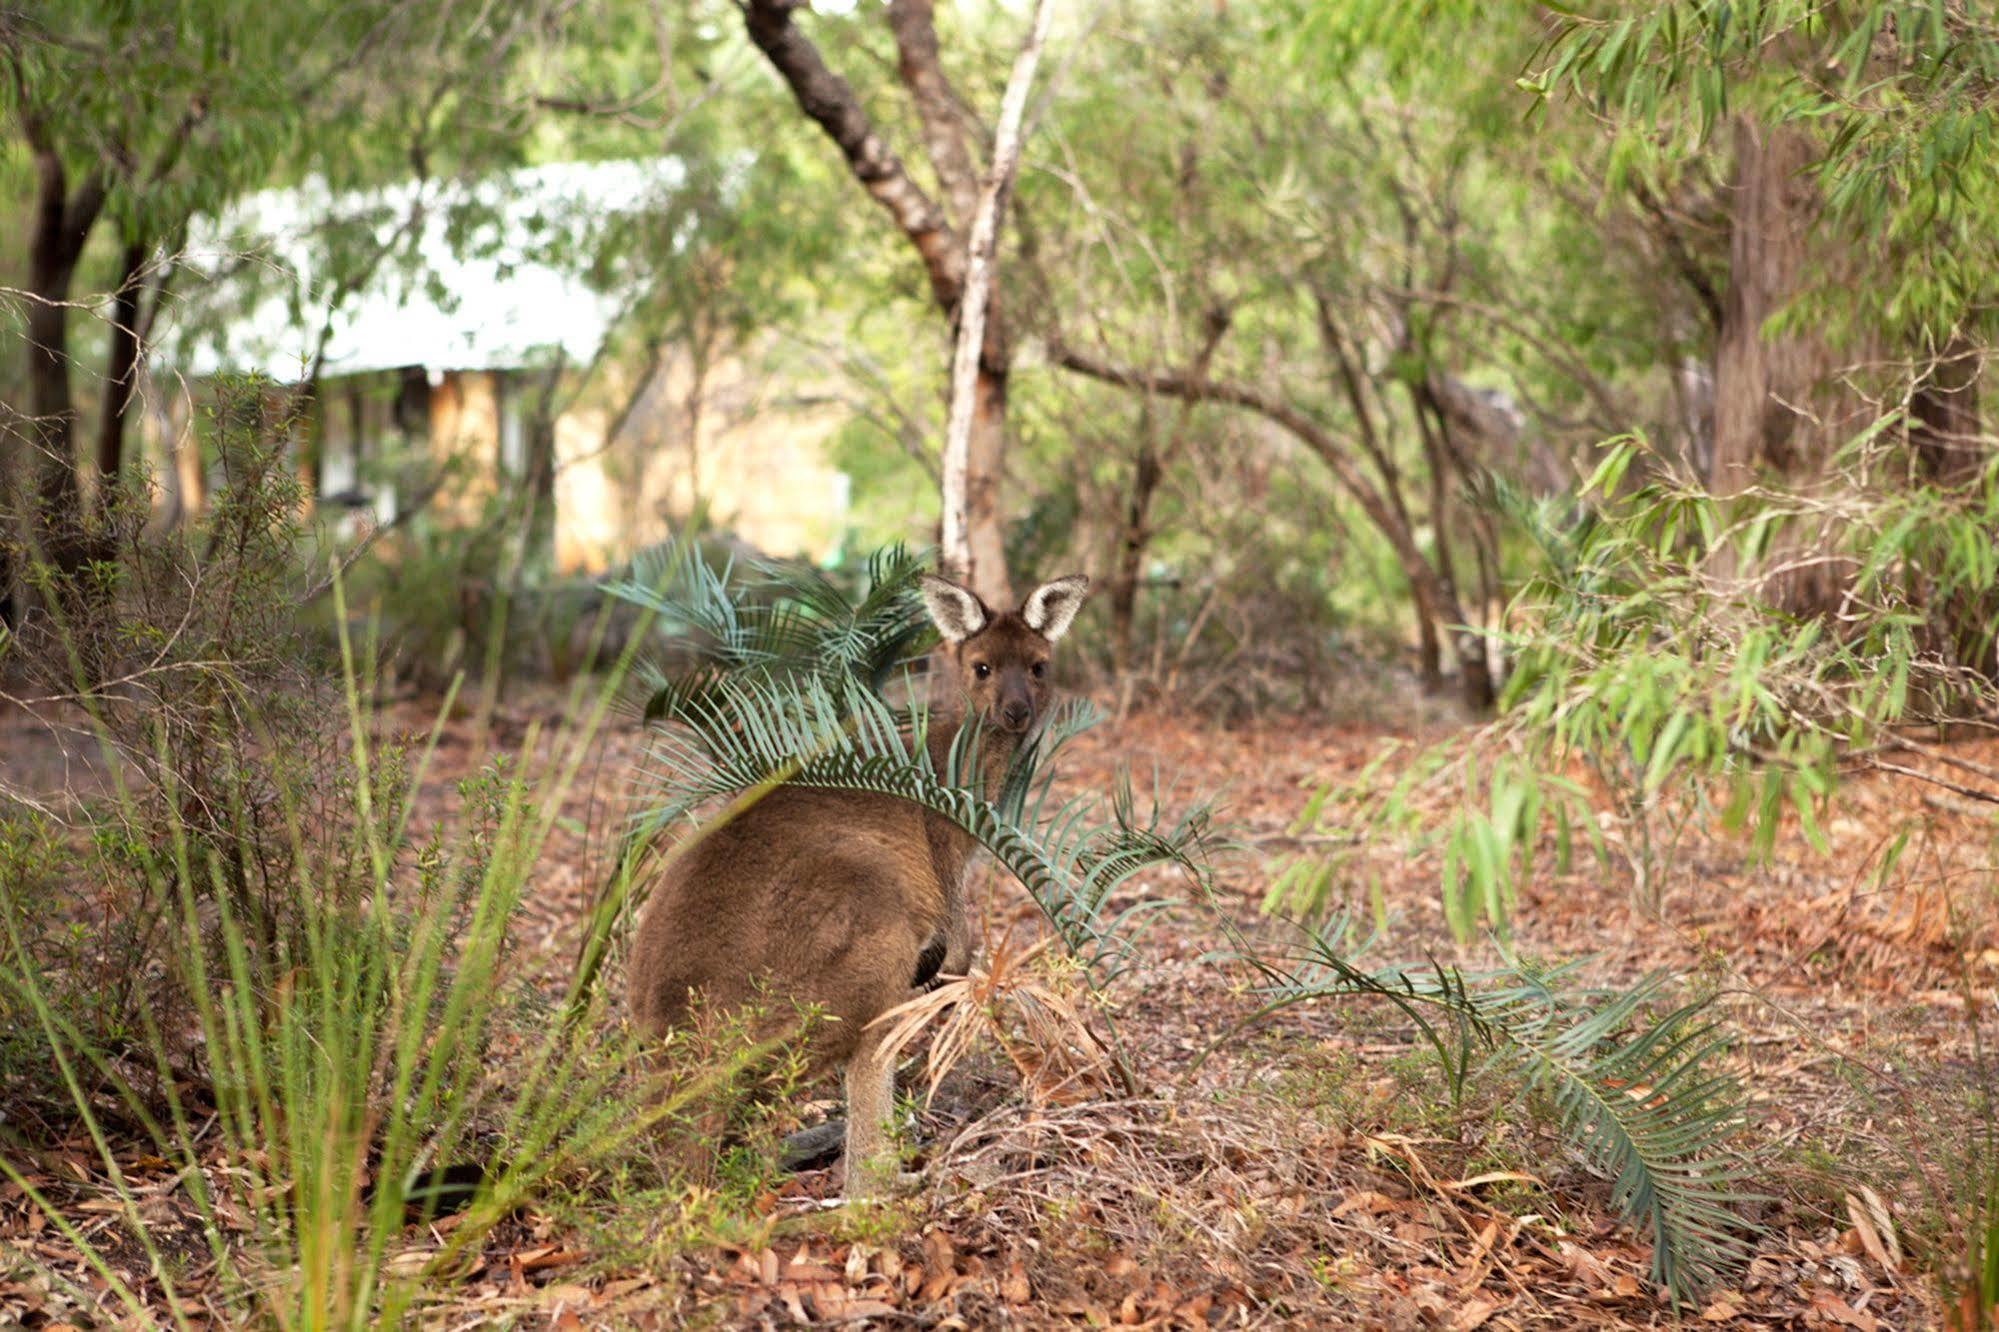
1313, 1174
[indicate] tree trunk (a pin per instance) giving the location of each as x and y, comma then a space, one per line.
1489, 428
921, 65
1945, 425
700, 355
1780, 406
1950, 446
1440, 521
975, 431
1348, 371
1762, 385
1780, 410
985, 525
829, 101
973, 534
51, 410
1133, 538
541, 485
61, 224
121, 365
180, 495
1429, 649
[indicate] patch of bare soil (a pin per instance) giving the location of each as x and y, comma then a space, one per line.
1313, 1171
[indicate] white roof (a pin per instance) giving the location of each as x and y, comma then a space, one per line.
497, 295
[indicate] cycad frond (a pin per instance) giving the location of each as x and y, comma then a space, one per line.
748, 730
771, 617
781, 677
868, 638
1639, 1097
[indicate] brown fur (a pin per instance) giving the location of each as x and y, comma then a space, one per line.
829, 899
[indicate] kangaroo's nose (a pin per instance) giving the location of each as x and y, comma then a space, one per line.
1015, 714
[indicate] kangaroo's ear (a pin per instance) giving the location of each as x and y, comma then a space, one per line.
1050, 608
956, 612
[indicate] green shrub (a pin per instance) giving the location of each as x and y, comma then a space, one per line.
175, 665
384, 1047
247, 959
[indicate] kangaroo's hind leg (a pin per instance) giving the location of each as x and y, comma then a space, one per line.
861, 977
870, 1157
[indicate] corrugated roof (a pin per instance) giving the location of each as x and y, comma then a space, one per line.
475, 279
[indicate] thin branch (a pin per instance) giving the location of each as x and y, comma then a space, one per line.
1611, 416
1682, 258
1968, 792
830, 102
914, 23
418, 503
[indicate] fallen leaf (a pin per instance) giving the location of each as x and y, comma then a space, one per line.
1723, 1310
1494, 1177
1366, 1200
938, 1285
801, 1268
1841, 1312
1875, 1228
869, 1309
1474, 1312
536, 1260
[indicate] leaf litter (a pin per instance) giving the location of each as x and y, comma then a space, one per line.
1313, 1172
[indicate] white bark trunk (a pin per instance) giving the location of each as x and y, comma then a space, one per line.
979, 249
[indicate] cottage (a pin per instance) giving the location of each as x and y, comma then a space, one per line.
461, 358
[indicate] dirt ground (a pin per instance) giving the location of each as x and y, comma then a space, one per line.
1313, 1171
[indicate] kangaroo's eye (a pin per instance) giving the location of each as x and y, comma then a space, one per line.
1040, 669
980, 669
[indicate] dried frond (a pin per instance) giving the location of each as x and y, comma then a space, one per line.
1022, 1006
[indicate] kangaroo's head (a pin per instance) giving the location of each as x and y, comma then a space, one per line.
1001, 658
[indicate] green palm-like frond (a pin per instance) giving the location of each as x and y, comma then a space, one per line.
750, 729
780, 676
1639, 1096
770, 617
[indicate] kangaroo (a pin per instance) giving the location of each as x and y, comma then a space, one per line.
850, 902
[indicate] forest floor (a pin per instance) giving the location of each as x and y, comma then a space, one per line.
1313, 1171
